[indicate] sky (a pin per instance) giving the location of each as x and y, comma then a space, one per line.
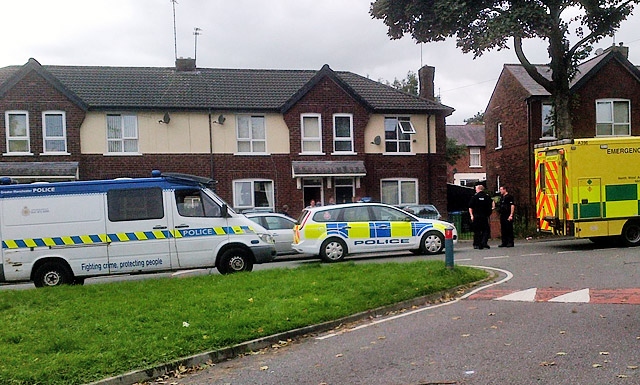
273, 34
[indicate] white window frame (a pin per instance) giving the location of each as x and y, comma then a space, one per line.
256, 145
475, 160
311, 139
610, 121
399, 182
399, 131
343, 139
17, 138
126, 135
240, 203
47, 138
499, 136
547, 124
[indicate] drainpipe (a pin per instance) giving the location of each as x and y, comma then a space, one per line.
211, 149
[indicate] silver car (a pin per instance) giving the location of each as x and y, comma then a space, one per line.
280, 227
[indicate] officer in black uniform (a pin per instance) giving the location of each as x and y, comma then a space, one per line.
507, 210
480, 207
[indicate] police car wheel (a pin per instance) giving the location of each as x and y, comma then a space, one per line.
432, 243
52, 274
234, 260
333, 250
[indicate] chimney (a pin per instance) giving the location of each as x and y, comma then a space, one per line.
426, 75
619, 48
185, 64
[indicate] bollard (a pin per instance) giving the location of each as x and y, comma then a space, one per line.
448, 247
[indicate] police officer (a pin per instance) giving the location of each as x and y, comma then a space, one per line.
480, 207
507, 209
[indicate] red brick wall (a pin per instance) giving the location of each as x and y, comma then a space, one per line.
35, 95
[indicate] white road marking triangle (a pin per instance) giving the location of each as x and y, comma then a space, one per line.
528, 295
574, 296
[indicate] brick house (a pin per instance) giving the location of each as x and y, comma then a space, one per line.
606, 100
471, 167
269, 137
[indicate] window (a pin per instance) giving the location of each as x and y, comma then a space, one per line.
251, 134
311, 134
195, 203
612, 117
17, 132
474, 157
54, 132
548, 129
122, 133
135, 204
248, 194
397, 138
343, 133
499, 137
399, 191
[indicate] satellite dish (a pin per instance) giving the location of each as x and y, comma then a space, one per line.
221, 119
599, 51
376, 140
166, 118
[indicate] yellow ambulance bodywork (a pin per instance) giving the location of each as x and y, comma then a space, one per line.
589, 188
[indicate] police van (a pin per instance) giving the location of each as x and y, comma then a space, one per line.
64, 232
332, 232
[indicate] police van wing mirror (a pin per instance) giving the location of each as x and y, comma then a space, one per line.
224, 211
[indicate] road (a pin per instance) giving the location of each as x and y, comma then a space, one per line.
564, 312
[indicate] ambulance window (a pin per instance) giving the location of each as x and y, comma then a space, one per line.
542, 177
194, 203
135, 204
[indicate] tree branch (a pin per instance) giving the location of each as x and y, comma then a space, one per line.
530, 68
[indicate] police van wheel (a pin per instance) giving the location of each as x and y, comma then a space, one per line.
432, 243
333, 250
52, 274
234, 261
631, 233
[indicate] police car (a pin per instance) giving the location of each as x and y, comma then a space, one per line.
332, 232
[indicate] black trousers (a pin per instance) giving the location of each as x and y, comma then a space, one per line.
506, 229
481, 231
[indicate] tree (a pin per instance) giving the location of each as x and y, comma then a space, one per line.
478, 118
408, 85
455, 151
482, 25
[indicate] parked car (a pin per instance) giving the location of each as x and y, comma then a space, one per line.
279, 226
333, 232
422, 211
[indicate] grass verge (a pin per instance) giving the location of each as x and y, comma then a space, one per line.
78, 334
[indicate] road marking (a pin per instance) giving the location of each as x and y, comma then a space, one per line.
464, 259
467, 295
532, 255
497, 257
580, 296
568, 251
528, 295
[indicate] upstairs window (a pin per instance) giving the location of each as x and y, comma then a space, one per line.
548, 129
54, 132
343, 133
251, 134
17, 123
474, 157
499, 136
613, 117
122, 133
311, 133
397, 134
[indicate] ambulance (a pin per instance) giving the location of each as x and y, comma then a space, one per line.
332, 232
64, 232
589, 188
